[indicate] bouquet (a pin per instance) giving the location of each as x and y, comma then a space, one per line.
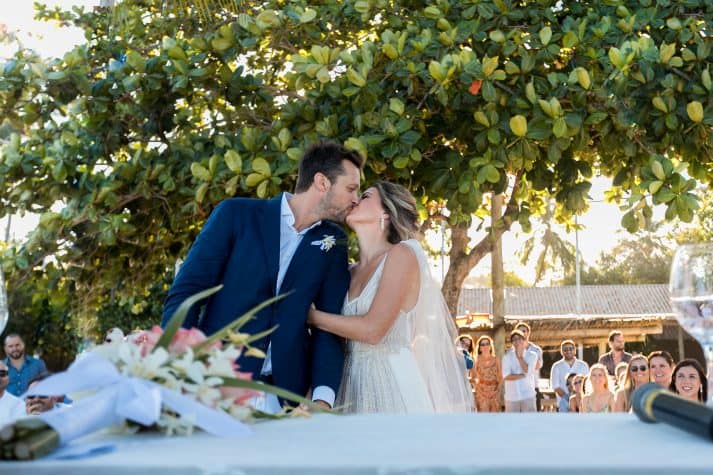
172, 380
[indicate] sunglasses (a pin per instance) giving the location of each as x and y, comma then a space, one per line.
577, 383
3, 373
641, 368
484, 343
568, 348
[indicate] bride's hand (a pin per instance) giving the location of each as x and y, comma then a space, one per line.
311, 315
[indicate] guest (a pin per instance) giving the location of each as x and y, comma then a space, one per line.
619, 375
21, 366
37, 404
488, 376
558, 374
11, 406
617, 353
465, 344
530, 346
599, 398
518, 368
660, 368
689, 381
637, 373
577, 394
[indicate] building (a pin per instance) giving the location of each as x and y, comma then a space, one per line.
641, 312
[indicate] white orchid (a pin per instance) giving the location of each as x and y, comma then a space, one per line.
326, 243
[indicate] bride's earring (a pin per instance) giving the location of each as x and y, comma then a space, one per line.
381, 222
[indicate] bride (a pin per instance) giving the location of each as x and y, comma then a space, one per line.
400, 354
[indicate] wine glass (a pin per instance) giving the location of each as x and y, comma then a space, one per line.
4, 312
691, 287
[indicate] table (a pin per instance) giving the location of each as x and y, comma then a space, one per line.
535, 443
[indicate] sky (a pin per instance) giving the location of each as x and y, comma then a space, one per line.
601, 223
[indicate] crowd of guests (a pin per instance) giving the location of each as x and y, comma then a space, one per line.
606, 386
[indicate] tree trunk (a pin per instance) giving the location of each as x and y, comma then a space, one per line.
497, 282
462, 261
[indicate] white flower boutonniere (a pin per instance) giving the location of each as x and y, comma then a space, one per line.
325, 244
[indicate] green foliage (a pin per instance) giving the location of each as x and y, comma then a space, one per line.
39, 311
127, 142
701, 228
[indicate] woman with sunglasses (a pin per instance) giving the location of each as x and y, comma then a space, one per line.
488, 376
689, 381
577, 392
599, 398
637, 374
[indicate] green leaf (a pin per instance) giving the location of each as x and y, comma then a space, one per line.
237, 324
261, 166
559, 127
279, 392
233, 161
200, 172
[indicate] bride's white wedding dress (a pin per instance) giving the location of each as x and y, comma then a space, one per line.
415, 368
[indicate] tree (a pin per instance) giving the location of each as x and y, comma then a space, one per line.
644, 258
551, 246
141, 131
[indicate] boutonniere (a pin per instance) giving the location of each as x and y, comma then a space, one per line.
326, 243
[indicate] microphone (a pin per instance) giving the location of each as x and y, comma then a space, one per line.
652, 403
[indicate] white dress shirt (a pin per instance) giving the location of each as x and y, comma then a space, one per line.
290, 239
523, 388
558, 379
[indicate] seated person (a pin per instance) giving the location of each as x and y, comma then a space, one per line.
38, 404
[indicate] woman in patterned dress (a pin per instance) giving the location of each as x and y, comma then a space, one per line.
488, 376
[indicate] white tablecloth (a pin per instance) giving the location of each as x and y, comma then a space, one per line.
446, 444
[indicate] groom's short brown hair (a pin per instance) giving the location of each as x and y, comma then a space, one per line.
325, 158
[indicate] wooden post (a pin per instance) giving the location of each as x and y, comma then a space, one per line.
681, 350
602, 348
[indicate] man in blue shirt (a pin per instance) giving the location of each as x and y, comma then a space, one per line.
22, 368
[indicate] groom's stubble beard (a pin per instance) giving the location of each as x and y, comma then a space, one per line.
331, 211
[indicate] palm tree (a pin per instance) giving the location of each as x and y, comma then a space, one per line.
551, 246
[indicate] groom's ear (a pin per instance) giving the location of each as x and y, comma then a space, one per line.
321, 182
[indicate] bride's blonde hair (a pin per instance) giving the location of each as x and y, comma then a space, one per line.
400, 205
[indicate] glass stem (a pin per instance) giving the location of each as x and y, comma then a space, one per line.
708, 350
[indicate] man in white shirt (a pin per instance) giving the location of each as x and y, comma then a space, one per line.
558, 375
518, 374
530, 346
11, 407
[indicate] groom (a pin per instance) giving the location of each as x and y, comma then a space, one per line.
261, 248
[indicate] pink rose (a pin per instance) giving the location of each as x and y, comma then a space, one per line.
146, 340
185, 339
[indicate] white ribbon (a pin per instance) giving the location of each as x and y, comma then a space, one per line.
121, 397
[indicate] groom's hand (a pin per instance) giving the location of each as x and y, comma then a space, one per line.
322, 404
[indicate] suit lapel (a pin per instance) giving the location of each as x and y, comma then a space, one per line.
300, 260
270, 236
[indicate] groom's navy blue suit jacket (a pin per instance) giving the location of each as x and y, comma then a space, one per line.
239, 247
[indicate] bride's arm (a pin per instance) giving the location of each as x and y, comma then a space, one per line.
398, 289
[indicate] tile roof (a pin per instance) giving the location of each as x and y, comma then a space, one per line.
646, 300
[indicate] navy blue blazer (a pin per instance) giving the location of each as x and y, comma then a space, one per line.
239, 247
